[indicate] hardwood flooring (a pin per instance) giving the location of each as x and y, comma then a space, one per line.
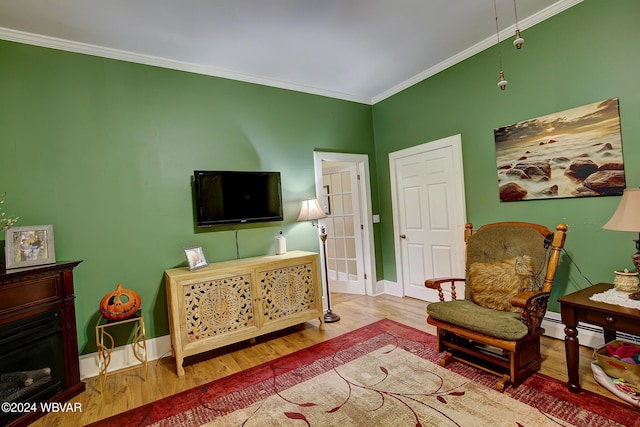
127, 390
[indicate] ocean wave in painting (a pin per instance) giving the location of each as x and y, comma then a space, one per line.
572, 153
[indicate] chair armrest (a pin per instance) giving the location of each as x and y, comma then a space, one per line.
534, 307
438, 282
523, 298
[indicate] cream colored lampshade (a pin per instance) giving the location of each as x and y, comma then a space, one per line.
627, 216
311, 210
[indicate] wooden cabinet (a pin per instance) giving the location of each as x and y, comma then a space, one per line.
232, 301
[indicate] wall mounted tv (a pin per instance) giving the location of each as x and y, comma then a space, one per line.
234, 197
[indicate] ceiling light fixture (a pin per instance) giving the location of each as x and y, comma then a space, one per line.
519, 40
502, 83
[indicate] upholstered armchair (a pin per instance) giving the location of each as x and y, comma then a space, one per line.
510, 267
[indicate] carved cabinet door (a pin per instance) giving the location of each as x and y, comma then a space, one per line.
287, 291
219, 307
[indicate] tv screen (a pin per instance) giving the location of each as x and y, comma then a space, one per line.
233, 197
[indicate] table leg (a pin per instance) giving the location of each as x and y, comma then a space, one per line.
609, 335
572, 348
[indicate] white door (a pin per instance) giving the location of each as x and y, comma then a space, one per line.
429, 215
341, 202
365, 266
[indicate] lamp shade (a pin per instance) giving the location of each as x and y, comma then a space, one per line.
311, 210
627, 216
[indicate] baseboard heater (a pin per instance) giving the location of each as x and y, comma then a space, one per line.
588, 335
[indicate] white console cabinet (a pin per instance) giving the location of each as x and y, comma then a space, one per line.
232, 301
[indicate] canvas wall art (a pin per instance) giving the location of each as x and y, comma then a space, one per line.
572, 153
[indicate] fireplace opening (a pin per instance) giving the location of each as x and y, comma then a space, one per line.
32, 366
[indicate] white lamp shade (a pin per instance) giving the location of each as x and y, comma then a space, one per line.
627, 216
311, 210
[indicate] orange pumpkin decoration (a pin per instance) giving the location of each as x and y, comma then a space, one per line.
120, 304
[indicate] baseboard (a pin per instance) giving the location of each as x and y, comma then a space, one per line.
379, 287
122, 357
391, 288
588, 335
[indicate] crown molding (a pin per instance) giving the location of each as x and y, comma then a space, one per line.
528, 22
122, 55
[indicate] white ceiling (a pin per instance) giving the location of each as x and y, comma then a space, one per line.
358, 50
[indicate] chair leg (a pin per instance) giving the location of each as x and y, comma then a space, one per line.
512, 365
526, 360
502, 383
446, 360
439, 344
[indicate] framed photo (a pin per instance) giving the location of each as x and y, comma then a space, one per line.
29, 246
195, 257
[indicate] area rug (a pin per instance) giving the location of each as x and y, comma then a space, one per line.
380, 375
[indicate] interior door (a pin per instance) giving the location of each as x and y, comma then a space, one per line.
429, 215
341, 202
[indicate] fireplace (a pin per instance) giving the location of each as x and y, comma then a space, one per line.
38, 342
31, 360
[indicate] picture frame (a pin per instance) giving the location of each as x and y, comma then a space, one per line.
29, 246
195, 257
570, 153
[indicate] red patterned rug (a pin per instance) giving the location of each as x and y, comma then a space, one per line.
381, 374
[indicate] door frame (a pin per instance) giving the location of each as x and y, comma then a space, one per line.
455, 142
362, 167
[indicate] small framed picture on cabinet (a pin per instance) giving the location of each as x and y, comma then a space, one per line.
195, 257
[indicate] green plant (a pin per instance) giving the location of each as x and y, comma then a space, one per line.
6, 221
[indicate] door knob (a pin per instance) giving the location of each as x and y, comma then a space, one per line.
403, 236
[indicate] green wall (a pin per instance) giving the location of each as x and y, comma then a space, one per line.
583, 55
104, 150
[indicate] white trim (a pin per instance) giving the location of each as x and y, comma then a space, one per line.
122, 357
157, 348
380, 287
588, 335
362, 166
530, 21
138, 58
122, 55
391, 288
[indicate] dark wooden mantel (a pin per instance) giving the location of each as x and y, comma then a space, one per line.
27, 292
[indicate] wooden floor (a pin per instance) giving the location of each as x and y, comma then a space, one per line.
128, 390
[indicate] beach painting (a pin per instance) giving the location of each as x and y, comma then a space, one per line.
572, 153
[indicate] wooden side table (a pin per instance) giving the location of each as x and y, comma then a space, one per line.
577, 307
105, 344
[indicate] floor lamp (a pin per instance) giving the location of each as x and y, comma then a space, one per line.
311, 211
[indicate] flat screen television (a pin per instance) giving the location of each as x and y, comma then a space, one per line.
235, 197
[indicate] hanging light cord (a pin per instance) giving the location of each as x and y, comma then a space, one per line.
495, 9
515, 11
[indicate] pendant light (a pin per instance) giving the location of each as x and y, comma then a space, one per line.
502, 83
519, 40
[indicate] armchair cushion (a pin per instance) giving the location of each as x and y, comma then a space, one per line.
493, 284
467, 314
